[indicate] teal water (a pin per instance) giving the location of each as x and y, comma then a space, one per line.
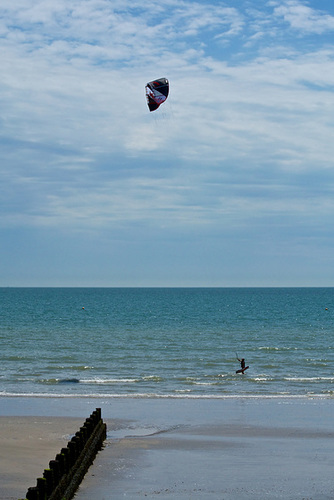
165, 342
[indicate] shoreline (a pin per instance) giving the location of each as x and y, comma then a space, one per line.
252, 448
41, 395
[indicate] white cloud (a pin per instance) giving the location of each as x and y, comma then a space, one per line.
304, 18
247, 112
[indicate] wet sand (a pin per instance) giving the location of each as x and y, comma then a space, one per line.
216, 461
178, 448
27, 446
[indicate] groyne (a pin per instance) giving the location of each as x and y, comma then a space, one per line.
65, 473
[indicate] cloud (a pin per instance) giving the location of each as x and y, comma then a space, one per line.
80, 150
303, 18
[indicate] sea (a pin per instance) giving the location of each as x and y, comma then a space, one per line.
167, 342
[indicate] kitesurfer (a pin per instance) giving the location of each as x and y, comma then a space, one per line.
242, 363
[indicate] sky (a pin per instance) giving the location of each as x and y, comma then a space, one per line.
229, 183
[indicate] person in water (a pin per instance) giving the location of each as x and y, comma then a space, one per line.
242, 363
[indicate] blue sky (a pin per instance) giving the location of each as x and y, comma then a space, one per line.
229, 183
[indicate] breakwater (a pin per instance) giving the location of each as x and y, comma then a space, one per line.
65, 473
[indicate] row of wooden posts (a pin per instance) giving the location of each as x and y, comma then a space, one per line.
64, 475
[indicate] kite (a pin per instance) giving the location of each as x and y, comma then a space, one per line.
156, 93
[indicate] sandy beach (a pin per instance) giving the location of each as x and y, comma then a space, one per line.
178, 448
27, 446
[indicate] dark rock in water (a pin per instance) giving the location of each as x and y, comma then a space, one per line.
69, 381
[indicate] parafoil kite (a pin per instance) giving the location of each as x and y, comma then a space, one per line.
156, 93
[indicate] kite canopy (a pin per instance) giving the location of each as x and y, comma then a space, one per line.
156, 93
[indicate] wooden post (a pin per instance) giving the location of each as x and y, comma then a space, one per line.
41, 485
67, 459
73, 451
48, 474
60, 458
33, 493
54, 465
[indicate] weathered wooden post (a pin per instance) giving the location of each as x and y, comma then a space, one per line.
48, 475
67, 461
61, 461
54, 465
41, 485
33, 493
73, 451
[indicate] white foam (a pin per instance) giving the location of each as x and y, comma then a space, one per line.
329, 395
